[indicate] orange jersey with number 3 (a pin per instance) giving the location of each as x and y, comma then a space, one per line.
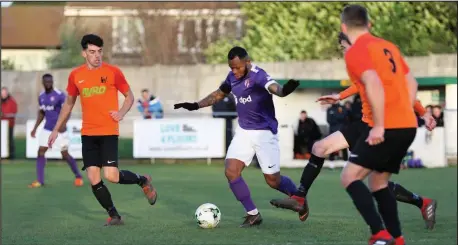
373, 53
98, 91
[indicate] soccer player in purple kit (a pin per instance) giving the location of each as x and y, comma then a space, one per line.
50, 102
252, 88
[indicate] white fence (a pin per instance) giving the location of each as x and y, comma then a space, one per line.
74, 147
450, 125
205, 138
4, 139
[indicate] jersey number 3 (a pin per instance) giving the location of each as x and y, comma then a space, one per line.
390, 59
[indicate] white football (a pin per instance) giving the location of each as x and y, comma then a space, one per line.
208, 215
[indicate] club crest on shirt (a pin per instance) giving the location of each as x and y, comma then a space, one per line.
103, 79
52, 98
247, 83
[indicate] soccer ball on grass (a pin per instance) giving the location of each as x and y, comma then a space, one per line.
208, 215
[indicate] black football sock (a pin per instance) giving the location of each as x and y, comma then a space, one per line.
104, 197
403, 195
128, 178
309, 174
363, 201
388, 209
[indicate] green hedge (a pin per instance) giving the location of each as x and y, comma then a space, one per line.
125, 148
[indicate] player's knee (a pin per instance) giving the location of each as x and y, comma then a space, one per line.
111, 174
377, 181
348, 177
232, 169
273, 180
319, 149
93, 175
231, 174
65, 154
42, 151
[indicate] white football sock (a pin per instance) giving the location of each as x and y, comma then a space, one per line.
253, 212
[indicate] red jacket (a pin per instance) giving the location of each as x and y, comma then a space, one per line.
9, 110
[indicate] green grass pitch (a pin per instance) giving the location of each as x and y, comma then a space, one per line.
63, 214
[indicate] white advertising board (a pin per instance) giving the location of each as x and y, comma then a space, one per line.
74, 134
179, 138
4, 140
429, 146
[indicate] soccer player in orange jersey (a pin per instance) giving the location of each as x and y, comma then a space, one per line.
388, 91
347, 137
97, 84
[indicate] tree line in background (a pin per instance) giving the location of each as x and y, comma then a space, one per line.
283, 31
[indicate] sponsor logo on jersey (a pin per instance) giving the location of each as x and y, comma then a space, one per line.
96, 90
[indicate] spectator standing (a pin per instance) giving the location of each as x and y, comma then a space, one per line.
438, 115
9, 111
336, 116
349, 117
356, 108
150, 106
306, 133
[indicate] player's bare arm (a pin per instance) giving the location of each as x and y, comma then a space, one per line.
210, 100
40, 117
126, 105
283, 91
412, 84
67, 108
376, 95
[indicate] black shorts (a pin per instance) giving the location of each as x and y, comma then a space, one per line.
100, 151
352, 131
384, 157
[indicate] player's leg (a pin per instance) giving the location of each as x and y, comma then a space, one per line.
426, 205
63, 141
322, 148
73, 166
91, 152
268, 153
41, 159
364, 159
397, 143
387, 205
40, 168
240, 154
297, 202
111, 172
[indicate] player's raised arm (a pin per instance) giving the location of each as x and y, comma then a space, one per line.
282, 91
210, 100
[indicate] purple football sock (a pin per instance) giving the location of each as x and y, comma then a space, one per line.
287, 186
72, 164
41, 162
242, 193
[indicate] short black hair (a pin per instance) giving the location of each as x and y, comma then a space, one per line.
145, 90
91, 39
46, 75
237, 52
303, 111
355, 15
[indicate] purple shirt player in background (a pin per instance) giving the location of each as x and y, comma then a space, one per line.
50, 102
252, 88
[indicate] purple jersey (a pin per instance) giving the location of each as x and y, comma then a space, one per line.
51, 103
255, 107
